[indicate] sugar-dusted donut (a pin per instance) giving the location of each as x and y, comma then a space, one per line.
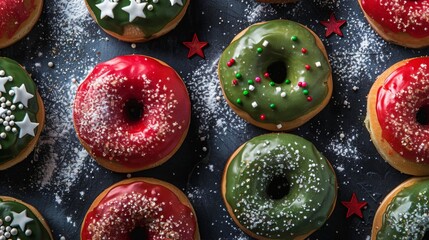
403, 214
17, 18
398, 115
144, 208
132, 113
276, 75
403, 22
135, 20
22, 114
278, 186
20, 220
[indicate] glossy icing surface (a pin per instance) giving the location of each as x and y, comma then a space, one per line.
18, 109
150, 16
406, 216
403, 93
407, 16
100, 110
311, 179
152, 207
246, 85
19, 222
13, 14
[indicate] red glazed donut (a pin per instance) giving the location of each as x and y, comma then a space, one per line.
17, 18
140, 208
404, 22
398, 115
132, 113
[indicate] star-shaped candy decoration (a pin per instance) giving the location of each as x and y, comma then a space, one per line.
354, 207
26, 126
333, 26
21, 95
20, 219
106, 7
135, 10
195, 47
176, 2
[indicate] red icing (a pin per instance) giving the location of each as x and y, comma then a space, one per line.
410, 16
404, 92
139, 204
13, 14
100, 121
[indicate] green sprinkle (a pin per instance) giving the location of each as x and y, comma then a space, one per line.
259, 50
239, 101
238, 75
250, 82
272, 84
294, 38
272, 105
287, 81
305, 91
245, 92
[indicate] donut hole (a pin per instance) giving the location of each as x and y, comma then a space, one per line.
423, 115
277, 71
133, 110
139, 233
278, 187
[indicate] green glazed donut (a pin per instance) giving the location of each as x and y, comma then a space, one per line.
278, 186
404, 213
22, 114
276, 75
19, 220
136, 20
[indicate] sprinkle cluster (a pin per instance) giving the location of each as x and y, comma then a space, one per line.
121, 215
401, 121
407, 16
10, 226
253, 82
11, 100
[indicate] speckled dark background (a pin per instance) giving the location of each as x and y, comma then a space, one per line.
75, 44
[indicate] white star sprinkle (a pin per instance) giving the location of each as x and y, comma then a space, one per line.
20, 219
106, 8
135, 10
26, 126
3, 81
21, 95
176, 2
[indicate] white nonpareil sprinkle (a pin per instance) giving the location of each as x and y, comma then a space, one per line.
318, 64
283, 94
254, 104
265, 43
251, 87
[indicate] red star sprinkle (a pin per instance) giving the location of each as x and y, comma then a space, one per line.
333, 26
195, 47
354, 207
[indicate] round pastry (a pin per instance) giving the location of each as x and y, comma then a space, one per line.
402, 22
19, 220
278, 186
22, 114
17, 19
132, 113
141, 208
403, 214
276, 75
398, 116
135, 20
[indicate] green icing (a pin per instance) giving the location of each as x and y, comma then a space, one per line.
156, 19
12, 145
406, 217
285, 40
8, 209
311, 179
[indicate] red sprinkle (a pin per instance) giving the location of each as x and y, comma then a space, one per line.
232, 60
299, 84
266, 75
307, 67
304, 84
303, 50
234, 82
309, 99
257, 79
262, 117
229, 63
